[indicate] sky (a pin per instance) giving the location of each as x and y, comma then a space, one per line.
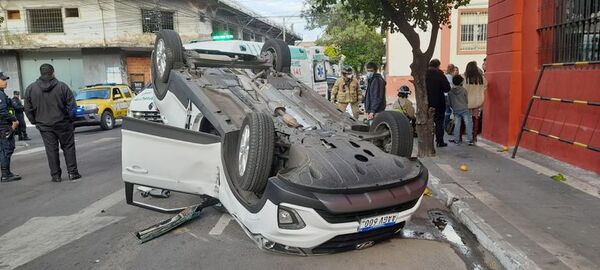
275, 9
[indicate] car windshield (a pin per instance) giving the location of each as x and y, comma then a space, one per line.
103, 93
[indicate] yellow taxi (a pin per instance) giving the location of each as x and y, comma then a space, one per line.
102, 104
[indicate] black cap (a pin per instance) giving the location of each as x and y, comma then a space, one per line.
3, 77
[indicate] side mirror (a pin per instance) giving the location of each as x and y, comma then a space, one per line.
117, 96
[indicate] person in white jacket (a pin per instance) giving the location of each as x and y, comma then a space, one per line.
476, 84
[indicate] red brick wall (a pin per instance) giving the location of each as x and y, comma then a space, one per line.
139, 65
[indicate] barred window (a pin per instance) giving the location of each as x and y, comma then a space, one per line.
473, 31
155, 20
47, 20
569, 31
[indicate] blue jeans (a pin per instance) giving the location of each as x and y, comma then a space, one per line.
468, 118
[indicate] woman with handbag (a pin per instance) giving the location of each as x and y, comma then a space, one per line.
476, 84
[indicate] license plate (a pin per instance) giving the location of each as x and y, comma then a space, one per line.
371, 223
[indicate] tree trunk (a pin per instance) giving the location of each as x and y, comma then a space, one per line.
424, 113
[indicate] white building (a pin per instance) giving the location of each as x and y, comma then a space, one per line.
464, 41
97, 41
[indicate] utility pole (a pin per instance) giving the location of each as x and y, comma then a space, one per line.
284, 29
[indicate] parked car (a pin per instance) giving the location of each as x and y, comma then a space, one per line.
298, 175
101, 104
143, 107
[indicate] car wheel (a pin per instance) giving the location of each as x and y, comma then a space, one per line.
107, 121
255, 152
278, 53
400, 140
167, 54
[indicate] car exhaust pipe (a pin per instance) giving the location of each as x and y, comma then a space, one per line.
287, 118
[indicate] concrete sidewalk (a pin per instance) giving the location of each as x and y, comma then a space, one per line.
524, 217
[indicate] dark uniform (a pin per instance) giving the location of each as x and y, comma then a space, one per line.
19, 113
7, 139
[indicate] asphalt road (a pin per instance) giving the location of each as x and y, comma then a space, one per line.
87, 225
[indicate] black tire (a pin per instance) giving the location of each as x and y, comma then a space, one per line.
173, 57
260, 146
279, 53
107, 120
401, 138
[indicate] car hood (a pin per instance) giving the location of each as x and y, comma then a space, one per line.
92, 101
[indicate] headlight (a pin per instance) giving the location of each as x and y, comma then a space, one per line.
289, 219
89, 107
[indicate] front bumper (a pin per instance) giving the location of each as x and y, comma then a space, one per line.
331, 219
87, 119
320, 236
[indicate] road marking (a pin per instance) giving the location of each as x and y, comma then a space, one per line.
221, 224
41, 148
571, 181
41, 235
545, 240
29, 151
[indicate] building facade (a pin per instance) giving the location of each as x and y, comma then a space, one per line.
464, 41
97, 41
523, 35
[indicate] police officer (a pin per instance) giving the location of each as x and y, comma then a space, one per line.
346, 91
8, 125
19, 109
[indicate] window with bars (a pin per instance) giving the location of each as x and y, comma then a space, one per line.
569, 31
47, 20
155, 20
472, 31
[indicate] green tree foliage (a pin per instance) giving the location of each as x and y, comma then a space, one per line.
404, 16
357, 41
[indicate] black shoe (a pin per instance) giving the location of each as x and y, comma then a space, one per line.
442, 144
74, 176
472, 143
25, 139
7, 176
454, 141
56, 179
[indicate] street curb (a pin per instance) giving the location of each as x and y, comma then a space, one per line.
509, 256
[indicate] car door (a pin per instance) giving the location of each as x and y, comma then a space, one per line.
167, 157
128, 97
119, 104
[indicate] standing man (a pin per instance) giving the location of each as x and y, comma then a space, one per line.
8, 125
345, 91
437, 85
49, 104
375, 96
19, 109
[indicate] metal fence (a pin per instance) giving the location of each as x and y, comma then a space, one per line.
569, 31
155, 20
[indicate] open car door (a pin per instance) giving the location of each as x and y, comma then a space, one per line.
167, 157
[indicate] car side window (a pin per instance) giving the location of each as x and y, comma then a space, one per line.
126, 92
116, 92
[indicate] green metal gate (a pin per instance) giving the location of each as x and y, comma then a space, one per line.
68, 67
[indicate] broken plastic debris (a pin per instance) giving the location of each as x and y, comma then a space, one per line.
464, 168
503, 149
427, 192
559, 177
96, 261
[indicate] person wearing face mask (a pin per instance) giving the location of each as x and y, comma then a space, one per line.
346, 92
375, 95
8, 126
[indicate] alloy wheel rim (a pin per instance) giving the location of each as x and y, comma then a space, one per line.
386, 144
244, 150
161, 57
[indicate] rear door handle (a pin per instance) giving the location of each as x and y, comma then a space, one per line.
137, 169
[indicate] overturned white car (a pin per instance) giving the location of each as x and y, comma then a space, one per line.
298, 175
